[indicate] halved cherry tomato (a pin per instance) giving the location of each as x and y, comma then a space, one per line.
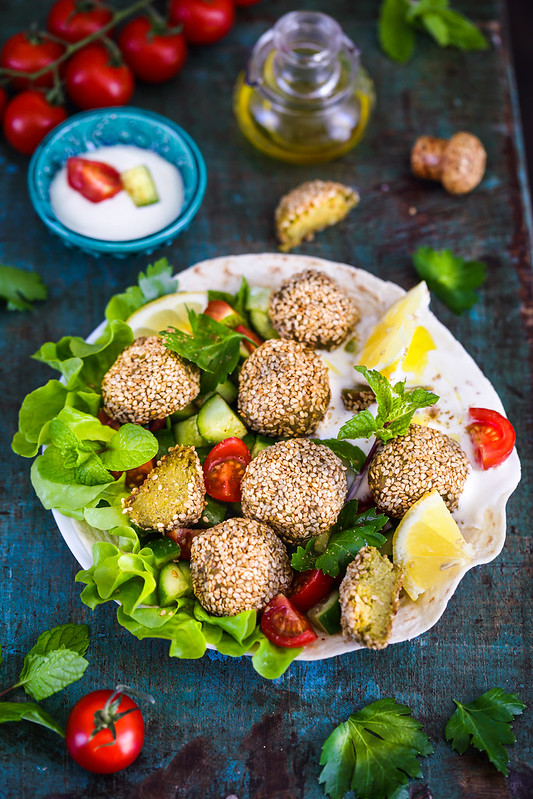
30, 52
104, 418
309, 588
94, 179
250, 333
184, 537
219, 310
284, 625
224, 469
492, 435
72, 20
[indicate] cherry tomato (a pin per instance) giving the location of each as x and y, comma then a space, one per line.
72, 21
156, 424
219, 310
309, 588
3, 102
284, 625
224, 469
137, 476
204, 21
246, 2
28, 52
95, 180
184, 537
250, 333
104, 418
98, 751
93, 81
492, 435
28, 118
152, 55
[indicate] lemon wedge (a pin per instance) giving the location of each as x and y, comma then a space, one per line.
387, 344
428, 545
167, 311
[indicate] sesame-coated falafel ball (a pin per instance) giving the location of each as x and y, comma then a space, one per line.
409, 466
297, 487
311, 308
238, 565
148, 381
283, 389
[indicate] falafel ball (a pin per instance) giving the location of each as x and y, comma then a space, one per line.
283, 389
297, 487
311, 308
238, 565
407, 467
148, 381
172, 495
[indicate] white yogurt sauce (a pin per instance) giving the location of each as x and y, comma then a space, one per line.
119, 219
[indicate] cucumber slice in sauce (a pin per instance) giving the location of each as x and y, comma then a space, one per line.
216, 421
174, 581
139, 184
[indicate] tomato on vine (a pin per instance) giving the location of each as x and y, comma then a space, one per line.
74, 20
153, 52
204, 21
94, 79
30, 52
28, 118
105, 731
3, 103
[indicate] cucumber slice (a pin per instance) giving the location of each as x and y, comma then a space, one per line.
228, 391
258, 299
327, 614
189, 410
164, 549
174, 581
261, 323
216, 421
186, 433
139, 184
261, 443
213, 513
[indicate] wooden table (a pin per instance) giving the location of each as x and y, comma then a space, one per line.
218, 729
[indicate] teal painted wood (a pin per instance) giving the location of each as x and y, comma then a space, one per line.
218, 728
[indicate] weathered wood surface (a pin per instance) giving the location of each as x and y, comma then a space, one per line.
218, 728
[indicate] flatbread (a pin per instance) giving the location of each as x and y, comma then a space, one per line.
450, 372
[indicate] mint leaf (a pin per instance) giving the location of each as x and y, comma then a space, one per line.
352, 456
45, 675
20, 287
462, 33
27, 711
362, 425
453, 279
374, 752
351, 532
485, 724
157, 282
396, 36
66, 636
130, 447
436, 27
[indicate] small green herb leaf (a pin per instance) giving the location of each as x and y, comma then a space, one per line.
396, 36
45, 675
20, 287
485, 723
27, 711
157, 282
304, 558
374, 752
237, 301
452, 279
352, 456
462, 33
351, 532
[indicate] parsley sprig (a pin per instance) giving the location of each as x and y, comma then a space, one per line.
211, 345
396, 408
450, 277
485, 723
399, 20
351, 532
374, 752
20, 287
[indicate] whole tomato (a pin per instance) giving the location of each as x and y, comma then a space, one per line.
3, 102
245, 2
204, 21
28, 118
89, 734
153, 55
72, 21
93, 81
28, 52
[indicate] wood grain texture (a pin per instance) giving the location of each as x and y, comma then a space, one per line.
218, 729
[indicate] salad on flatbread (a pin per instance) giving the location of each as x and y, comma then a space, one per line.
270, 455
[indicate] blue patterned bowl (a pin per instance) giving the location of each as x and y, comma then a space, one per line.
102, 128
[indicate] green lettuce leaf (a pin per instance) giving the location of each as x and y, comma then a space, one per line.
157, 282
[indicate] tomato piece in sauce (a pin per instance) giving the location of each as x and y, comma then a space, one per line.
95, 180
492, 435
224, 469
284, 625
309, 588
